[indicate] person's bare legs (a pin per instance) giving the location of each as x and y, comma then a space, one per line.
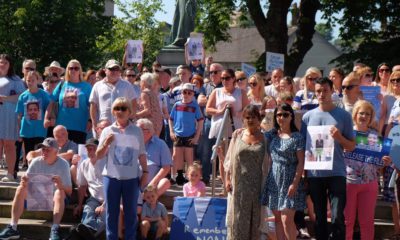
10, 152
280, 233
287, 216
18, 203
163, 185
161, 228
59, 205
74, 172
188, 155
145, 228
177, 158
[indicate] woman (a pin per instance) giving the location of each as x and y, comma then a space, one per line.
241, 80
382, 77
306, 99
286, 84
256, 93
388, 103
351, 91
90, 77
365, 76
122, 147
11, 86
149, 104
283, 191
222, 98
72, 97
336, 75
244, 165
362, 178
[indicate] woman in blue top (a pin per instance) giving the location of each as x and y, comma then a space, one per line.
72, 97
11, 86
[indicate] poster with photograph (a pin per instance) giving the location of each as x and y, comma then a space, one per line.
40, 192
370, 148
373, 95
82, 152
394, 134
71, 98
195, 48
122, 153
248, 69
319, 148
134, 51
274, 61
33, 110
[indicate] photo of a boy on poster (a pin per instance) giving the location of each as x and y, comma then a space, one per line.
33, 111
71, 98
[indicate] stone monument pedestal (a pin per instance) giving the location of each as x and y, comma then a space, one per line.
171, 57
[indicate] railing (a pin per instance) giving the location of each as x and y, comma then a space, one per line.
222, 134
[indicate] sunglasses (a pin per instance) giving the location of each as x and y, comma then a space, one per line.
384, 70
241, 79
131, 75
284, 115
29, 69
214, 72
349, 87
114, 69
226, 78
187, 92
74, 68
120, 108
252, 84
395, 80
312, 79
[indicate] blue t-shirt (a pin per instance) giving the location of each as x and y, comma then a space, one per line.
343, 122
158, 156
73, 105
197, 70
159, 211
32, 107
184, 117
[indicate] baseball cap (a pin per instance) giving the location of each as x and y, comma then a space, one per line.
112, 63
188, 86
49, 142
92, 142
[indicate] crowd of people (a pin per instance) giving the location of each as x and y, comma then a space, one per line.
145, 129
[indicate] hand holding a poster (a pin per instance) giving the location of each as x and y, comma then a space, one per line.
58, 182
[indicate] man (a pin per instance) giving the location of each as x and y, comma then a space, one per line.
90, 177
107, 90
158, 157
329, 183
55, 69
273, 89
49, 164
33, 110
204, 149
131, 76
184, 73
164, 75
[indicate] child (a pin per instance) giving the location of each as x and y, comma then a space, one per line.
186, 124
154, 214
195, 187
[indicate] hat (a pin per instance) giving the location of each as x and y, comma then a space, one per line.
188, 86
112, 63
92, 142
55, 67
49, 142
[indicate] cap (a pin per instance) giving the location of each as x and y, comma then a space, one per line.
92, 142
112, 63
49, 142
188, 86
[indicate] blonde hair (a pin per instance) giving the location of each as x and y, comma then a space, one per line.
354, 77
35, 74
260, 85
309, 71
363, 104
362, 71
150, 188
67, 76
122, 101
194, 167
395, 74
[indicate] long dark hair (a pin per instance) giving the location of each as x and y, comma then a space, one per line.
286, 107
7, 57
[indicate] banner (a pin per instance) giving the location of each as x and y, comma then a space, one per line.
195, 48
373, 95
274, 61
134, 51
319, 148
248, 69
394, 134
370, 148
199, 218
40, 192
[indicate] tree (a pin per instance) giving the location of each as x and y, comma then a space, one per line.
325, 30
138, 22
47, 30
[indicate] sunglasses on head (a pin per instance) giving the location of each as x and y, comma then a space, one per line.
284, 115
74, 68
214, 72
253, 84
349, 87
120, 108
384, 70
395, 80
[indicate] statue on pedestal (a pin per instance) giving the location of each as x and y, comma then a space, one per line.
183, 25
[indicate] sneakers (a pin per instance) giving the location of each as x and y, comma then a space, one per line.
86, 232
9, 233
8, 178
303, 233
54, 235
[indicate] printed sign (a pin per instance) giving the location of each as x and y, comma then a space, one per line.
319, 148
394, 134
33, 110
199, 218
40, 192
372, 94
248, 69
195, 48
134, 51
370, 148
274, 61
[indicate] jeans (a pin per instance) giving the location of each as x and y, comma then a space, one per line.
89, 216
334, 188
204, 150
114, 189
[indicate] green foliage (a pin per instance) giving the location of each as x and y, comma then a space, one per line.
47, 30
138, 22
325, 30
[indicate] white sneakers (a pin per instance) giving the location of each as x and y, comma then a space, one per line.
8, 178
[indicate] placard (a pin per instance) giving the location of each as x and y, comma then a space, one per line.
319, 148
274, 61
248, 69
199, 218
372, 94
370, 148
394, 134
40, 192
134, 51
195, 48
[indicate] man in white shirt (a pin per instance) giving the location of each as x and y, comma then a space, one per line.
273, 89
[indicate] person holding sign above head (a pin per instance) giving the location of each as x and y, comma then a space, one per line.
324, 184
362, 178
123, 148
48, 164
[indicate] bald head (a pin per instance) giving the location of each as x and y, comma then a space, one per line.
61, 135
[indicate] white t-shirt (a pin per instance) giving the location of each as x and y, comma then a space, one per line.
90, 175
103, 94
